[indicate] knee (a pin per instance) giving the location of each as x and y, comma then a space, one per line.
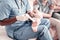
47, 23
43, 31
45, 28
42, 28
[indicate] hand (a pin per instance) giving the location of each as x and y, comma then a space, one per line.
38, 14
36, 22
22, 18
31, 14
33, 20
35, 25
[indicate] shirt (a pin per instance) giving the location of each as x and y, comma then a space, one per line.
45, 8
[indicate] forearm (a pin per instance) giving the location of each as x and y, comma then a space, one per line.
57, 7
47, 15
14, 19
8, 21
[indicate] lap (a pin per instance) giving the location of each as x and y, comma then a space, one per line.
45, 22
27, 32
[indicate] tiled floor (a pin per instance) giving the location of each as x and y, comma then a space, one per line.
3, 35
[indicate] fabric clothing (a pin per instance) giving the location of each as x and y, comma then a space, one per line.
26, 32
21, 30
45, 8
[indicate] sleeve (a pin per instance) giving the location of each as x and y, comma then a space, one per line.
4, 11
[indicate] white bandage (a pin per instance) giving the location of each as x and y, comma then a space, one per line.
30, 18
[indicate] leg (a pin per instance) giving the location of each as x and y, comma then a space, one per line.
26, 33
45, 22
45, 34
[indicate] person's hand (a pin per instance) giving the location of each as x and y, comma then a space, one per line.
35, 25
37, 14
33, 20
22, 18
31, 14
